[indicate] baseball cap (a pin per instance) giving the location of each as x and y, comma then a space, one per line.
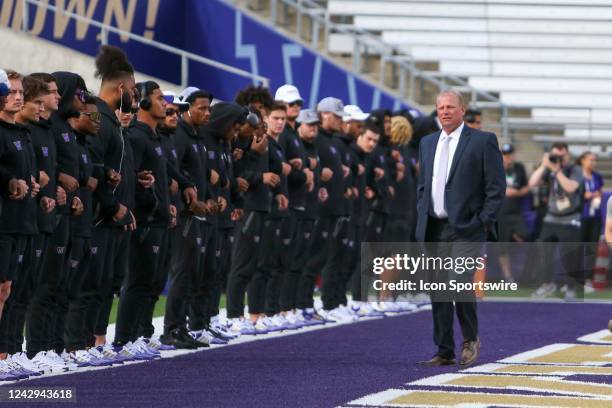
288, 94
507, 148
172, 98
5, 86
354, 113
308, 116
333, 105
187, 91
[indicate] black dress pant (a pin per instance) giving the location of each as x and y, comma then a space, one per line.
245, 253
187, 241
443, 308
145, 261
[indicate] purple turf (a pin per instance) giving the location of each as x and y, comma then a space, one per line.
323, 368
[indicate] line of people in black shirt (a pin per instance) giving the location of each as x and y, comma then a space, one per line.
136, 189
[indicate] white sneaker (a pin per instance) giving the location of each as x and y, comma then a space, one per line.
545, 290
81, 358
23, 360
421, 298
238, 326
49, 363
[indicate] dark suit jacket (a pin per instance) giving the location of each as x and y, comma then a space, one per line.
475, 188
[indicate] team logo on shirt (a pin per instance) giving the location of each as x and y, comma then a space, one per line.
155, 249
38, 253
20, 259
74, 264
381, 158
66, 137
60, 250
211, 155
203, 249
158, 150
17, 144
45, 151
94, 250
333, 150
84, 156
199, 241
348, 157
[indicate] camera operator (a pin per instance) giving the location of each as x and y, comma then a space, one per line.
562, 220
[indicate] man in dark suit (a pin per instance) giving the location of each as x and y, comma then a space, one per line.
460, 190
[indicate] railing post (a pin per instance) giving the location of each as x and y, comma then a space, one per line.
298, 19
327, 29
402, 80
504, 119
383, 66
314, 41
184, 70
356, 54
103, 36
273, 7
411, 90
25, 16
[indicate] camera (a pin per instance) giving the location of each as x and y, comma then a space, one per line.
553, 158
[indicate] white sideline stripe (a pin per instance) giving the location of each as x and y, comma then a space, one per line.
523, 358
158, 323
492, 368
379, 398
596, 337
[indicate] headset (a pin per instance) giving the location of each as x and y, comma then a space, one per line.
145, 102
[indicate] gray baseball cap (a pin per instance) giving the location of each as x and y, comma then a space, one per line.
333, 105
308, 116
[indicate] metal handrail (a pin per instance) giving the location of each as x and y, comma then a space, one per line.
186, 56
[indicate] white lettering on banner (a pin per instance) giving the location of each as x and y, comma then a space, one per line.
118, 13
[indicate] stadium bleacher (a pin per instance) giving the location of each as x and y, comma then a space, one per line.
549, 56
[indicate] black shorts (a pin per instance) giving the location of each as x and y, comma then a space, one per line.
12, 248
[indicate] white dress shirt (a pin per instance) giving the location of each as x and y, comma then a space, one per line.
452, 147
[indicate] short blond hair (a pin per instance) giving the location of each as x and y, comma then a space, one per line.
401, 130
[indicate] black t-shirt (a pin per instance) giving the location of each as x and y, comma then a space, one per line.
516, 177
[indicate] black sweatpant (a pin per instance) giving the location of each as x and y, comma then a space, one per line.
110, 274
79, 277
145, 261
248, 234
298, 255
187, 241
145, 327
325, 255
225, 242
278, 264
203, 282
44, 306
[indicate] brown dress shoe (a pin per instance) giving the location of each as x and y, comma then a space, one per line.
470, 352
437, 361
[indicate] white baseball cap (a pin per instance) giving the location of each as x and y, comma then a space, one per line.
288, 94
354, 113
172, 98
187, 91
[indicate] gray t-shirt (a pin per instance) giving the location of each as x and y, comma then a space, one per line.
564, 207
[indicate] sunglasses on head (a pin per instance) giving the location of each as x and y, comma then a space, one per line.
93, 116
172, 112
